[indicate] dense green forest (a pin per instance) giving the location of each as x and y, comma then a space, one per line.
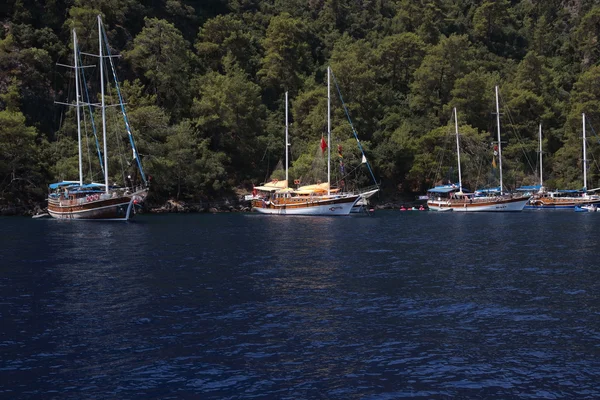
204, 83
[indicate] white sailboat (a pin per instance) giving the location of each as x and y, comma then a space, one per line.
319, 199
452, 197
75, 199
567, 199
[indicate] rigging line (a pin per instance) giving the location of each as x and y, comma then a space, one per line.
62, 118
479, 163
265, 153
110, 115
519, 138
352, 126
121, 102
441, 152
452, 155
92, 120
62, 113
268, 164
436, 170
113, 118
86, 136
87, 147
58, 132
588, 121
347, 174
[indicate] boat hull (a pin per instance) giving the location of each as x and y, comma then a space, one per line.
119, 208
479, 205
362, 204
560, 203
329, 206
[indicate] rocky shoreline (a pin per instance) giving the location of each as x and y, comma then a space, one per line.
174, 206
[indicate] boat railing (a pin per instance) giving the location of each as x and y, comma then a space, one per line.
362, 190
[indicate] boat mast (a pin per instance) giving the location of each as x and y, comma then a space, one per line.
541, 181
77, 106
457, 152
584, 156
328, 132
101, 57
286, 138
499, 143
136, 155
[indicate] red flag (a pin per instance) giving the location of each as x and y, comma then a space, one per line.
323, 144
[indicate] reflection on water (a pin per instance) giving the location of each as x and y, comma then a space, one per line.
396, 305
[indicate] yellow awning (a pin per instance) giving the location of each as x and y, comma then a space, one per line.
272, 186
314, 188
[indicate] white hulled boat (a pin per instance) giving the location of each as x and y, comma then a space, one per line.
565, 199
453, 198
318, 199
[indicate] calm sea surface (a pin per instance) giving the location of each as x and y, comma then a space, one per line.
244, 306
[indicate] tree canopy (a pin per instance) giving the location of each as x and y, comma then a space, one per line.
204, 84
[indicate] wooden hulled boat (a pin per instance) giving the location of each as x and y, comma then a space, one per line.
305, 202
544, 199
277, 198
77, 202
446, 198
97, 201
562, 199
453, 198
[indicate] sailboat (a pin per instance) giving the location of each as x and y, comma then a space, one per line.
75, 199
363, 205
534, 190
452, 197
566, 199
319, 199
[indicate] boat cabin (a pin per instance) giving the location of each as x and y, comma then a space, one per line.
443, 192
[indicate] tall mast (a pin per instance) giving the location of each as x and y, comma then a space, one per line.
541, 180
101, 57
328, 132
457, 151
286, 138
499, 143
77, 106
584, 156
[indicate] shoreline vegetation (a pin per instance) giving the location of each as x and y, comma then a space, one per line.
205, 83
223, 205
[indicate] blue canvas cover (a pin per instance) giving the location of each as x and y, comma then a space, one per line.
531, 188
570, 191
63, 184
444, 189
489, 190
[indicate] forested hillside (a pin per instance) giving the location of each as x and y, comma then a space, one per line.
204, 83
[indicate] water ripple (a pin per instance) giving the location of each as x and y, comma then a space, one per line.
242, 306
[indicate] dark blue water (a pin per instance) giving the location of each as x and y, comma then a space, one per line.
240, 306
